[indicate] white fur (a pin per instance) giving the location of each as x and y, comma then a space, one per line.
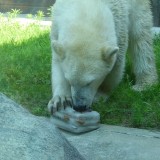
85, 37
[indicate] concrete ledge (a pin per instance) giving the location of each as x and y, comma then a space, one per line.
156, 30
27, 21
23, 20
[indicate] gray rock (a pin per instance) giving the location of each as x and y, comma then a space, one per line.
117, 143
27, 137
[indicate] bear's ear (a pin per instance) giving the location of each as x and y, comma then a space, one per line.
58, 48
108, 53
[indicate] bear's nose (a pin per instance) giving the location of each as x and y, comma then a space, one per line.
80, 108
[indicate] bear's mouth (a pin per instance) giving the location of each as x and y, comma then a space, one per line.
82, 108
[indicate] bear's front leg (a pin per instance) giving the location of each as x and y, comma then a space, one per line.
60, 88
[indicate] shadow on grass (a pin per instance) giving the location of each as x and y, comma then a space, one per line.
25, 72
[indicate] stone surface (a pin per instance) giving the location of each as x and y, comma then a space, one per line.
155, 31
27, 137
117, 143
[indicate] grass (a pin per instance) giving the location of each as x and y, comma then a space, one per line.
133, 109
25, 65
25, 77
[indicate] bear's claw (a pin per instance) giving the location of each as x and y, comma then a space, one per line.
58, 103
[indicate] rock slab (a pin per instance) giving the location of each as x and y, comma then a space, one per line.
27, 137
117, 143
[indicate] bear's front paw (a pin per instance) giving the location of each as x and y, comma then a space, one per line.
59, 102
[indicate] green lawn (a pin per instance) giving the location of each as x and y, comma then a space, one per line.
25, 61
25, 65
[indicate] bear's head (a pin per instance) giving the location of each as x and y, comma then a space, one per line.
85, 66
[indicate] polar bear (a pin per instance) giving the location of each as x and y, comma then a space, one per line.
89, 40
